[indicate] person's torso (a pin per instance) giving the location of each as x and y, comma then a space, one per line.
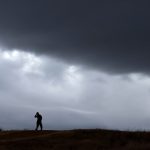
39, 117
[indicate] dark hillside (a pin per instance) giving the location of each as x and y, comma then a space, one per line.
74, 140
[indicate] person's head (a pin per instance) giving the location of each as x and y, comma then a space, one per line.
37, 113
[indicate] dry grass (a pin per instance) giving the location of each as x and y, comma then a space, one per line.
74, 140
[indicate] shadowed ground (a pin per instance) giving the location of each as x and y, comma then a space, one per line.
74, 140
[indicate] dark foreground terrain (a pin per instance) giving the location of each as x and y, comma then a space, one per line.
74, 140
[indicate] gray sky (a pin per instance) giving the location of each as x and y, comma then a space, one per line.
82, 64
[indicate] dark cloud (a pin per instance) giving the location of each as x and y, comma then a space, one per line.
108, 35
111, 35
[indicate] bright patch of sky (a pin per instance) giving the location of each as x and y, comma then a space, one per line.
69, 96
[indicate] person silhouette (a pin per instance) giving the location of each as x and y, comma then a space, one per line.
39, 121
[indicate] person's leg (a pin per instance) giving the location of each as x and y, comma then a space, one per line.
37, 126
41, 126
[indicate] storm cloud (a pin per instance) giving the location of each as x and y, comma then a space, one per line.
108, 35
81, 64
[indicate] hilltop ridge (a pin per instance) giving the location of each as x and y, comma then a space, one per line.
80, 139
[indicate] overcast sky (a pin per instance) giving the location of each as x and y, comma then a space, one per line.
80, 63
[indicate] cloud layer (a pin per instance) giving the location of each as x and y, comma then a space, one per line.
69, 96
82, 64
113, 36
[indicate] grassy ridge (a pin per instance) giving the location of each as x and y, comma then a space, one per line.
74, 140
